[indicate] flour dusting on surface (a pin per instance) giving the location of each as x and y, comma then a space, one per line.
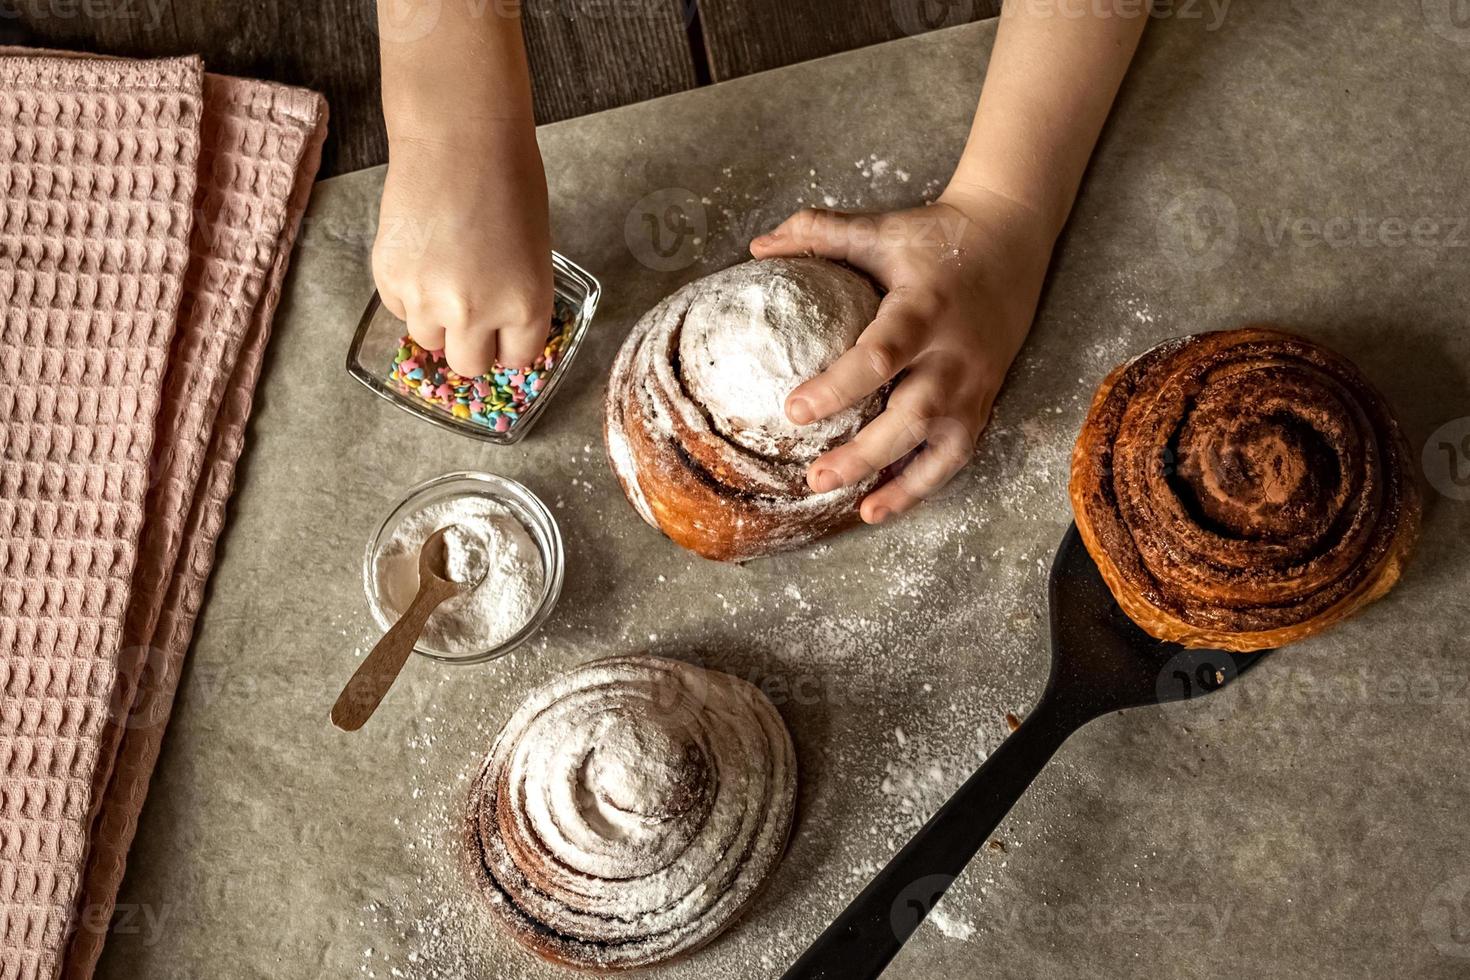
894, 655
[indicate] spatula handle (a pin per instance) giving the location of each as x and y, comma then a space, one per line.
860, 943
380, 668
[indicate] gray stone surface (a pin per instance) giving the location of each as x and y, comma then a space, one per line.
1263, 163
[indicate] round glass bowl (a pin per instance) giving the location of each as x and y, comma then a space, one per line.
525, 505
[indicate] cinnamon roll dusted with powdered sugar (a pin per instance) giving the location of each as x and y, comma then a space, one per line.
696, 427
630, 810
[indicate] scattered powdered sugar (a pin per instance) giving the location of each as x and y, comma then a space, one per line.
733, 217
953, 926
487, 548
431, 925
1138, 307
893, 653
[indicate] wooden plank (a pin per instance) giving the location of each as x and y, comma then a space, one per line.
585, 55
588, 55
327, 45
744, 36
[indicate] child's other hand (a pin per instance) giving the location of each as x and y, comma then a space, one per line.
963, 277
463, 251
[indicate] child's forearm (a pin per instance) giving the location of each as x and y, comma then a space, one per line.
467, 75
1054, 71
463, 253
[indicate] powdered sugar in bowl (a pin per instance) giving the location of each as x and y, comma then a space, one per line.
505, 546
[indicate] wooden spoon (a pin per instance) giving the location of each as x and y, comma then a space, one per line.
379, 669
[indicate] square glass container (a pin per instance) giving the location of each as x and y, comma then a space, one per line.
370, 358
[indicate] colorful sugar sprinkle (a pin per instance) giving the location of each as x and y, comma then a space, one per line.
497, 399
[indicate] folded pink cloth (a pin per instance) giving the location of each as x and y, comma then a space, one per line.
147, 214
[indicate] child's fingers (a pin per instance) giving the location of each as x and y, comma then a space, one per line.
393, 303
885, 348
470, 349
948, 448
813, 231
904, 425
424, 326
519, 346
523, 319
889, 499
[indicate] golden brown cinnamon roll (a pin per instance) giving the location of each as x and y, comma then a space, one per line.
695, 423
630, 810
1243, 489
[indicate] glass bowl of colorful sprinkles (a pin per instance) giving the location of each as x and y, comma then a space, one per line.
498, 407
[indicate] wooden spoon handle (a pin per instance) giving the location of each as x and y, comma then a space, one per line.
379, 669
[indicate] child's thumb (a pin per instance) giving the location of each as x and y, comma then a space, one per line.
833, 235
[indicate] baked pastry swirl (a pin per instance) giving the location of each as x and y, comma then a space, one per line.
1243, 489
630, 810
696, 427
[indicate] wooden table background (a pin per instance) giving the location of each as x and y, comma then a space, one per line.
586, 55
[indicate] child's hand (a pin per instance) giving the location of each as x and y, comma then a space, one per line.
963, 277
463, 252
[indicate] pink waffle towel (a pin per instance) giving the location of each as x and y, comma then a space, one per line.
147, 214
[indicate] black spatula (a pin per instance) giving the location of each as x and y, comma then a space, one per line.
1100, 662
